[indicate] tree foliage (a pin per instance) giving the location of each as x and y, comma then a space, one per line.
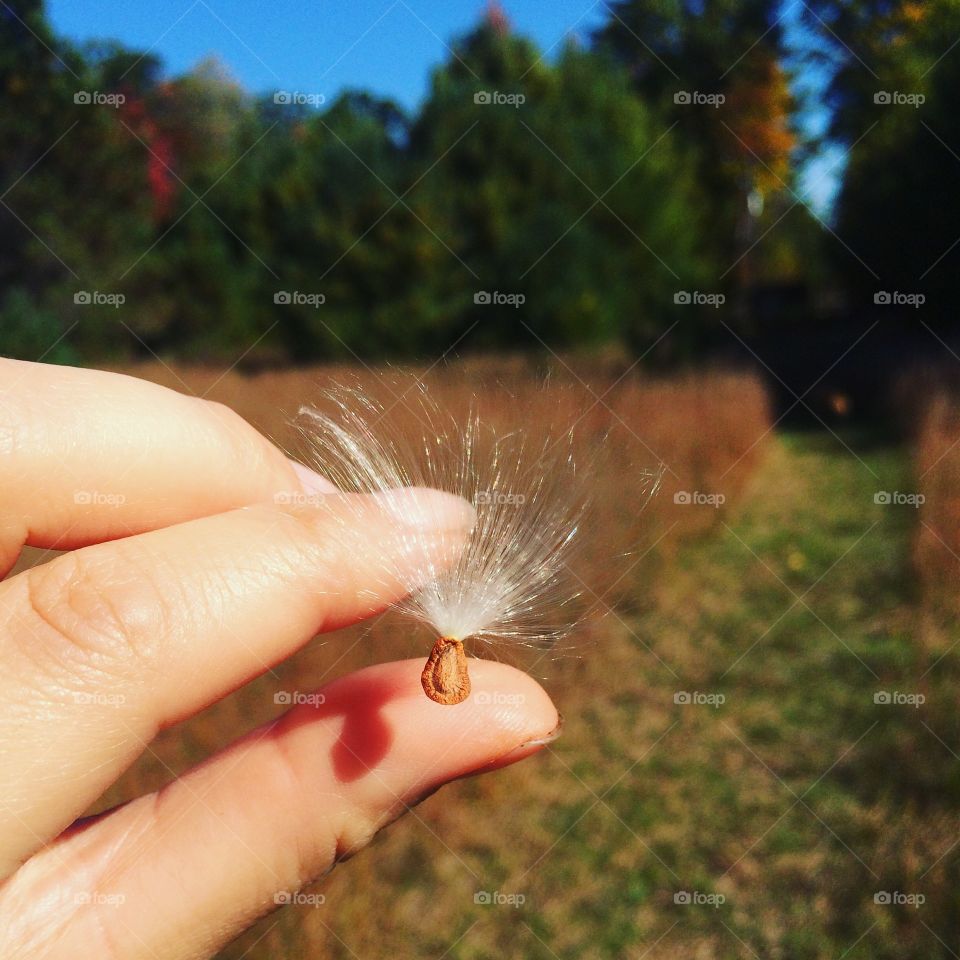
893, 82
526, 202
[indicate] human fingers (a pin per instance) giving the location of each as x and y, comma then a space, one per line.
176, 875
104, 646
87, 455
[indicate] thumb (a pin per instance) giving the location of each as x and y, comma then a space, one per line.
244, 831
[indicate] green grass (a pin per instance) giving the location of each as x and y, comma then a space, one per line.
798, 798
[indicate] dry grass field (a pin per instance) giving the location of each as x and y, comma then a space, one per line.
938, 483
767, 814
707, 432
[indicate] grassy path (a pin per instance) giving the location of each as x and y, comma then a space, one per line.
787, 799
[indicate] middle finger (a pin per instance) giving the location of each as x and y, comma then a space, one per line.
104, 646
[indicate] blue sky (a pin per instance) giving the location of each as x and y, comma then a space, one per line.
387, 46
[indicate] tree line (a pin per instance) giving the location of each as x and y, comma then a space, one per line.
640, 183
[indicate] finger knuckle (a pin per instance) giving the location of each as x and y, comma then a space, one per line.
249, 450
107, 610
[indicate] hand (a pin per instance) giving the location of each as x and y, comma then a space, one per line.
187, 576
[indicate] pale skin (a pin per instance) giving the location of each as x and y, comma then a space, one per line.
186, 577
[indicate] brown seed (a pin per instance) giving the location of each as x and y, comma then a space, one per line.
445, 678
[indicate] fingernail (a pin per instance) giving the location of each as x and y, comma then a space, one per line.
428, 509
311, 481
525, 749
531, 746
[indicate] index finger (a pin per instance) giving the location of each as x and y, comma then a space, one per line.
87, 455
